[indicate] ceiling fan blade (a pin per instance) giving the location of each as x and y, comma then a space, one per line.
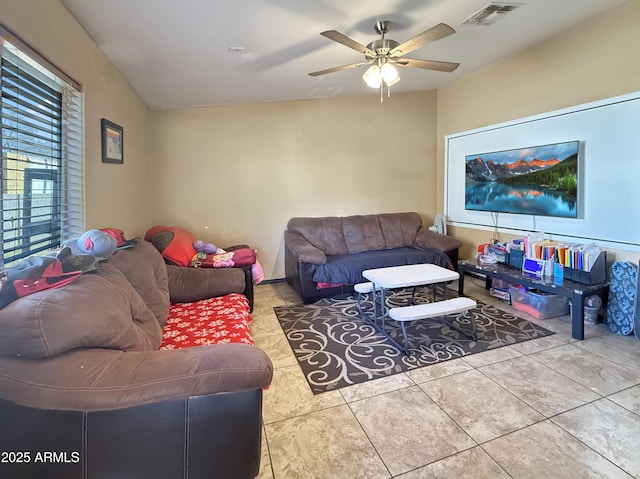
434, 33
337, 69
428, 64
348, 42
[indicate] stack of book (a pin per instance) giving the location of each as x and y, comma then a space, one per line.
582, 257
537, 247
584, 263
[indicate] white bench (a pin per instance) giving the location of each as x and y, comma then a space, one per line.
432, 310
437, 309
364, 288
367, 288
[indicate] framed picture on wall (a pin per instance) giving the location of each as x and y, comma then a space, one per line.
112, 142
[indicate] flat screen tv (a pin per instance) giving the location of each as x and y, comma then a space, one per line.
536, 180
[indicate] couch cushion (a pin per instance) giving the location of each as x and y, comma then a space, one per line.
99, 310
347, 269
323, 233
399, 229
224, 319
145, 269
362, 233
187, 285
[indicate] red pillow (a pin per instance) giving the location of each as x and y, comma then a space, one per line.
174, 243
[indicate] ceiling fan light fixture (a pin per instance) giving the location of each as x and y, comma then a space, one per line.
394, 81
389, 74
373, 76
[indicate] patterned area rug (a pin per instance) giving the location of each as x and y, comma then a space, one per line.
337, 348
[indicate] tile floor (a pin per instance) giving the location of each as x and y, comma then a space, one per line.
550, 408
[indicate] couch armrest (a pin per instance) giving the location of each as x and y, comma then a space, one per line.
429, 240
302, 250
102, 379
187, 285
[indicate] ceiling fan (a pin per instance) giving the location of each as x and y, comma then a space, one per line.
383, 55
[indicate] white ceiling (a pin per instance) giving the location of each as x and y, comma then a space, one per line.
177, 53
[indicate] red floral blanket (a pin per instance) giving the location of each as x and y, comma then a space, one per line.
224, 319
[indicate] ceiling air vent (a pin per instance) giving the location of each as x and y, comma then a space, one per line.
491, 13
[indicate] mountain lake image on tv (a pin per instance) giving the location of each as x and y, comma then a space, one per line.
537, 180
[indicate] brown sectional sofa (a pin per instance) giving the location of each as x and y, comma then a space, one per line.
81, 376
332, 252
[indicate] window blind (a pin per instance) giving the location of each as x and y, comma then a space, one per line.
42, 176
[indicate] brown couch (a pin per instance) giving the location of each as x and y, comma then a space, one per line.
326, 256
81, 377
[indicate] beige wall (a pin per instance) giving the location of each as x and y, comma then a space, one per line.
594, 61
236, 174
115, 195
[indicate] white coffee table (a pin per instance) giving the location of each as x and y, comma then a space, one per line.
406, 276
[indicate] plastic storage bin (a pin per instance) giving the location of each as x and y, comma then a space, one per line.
499, 289
538, 304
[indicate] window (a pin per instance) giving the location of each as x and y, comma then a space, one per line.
41, 151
